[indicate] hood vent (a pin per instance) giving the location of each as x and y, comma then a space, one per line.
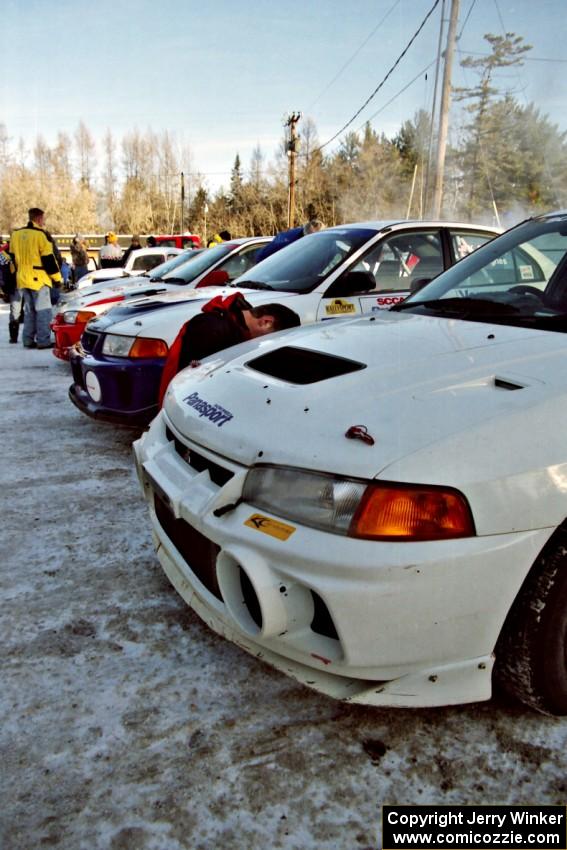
506, 384
303, 366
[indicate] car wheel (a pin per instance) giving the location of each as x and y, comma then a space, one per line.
531, 653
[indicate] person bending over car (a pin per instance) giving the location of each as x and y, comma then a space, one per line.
221, 323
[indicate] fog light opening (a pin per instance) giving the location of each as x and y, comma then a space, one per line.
250, 598
322, 622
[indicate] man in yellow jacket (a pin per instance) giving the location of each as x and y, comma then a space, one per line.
36, 272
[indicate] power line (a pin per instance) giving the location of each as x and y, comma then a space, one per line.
379, 86
396, 96
466, 19
354, 55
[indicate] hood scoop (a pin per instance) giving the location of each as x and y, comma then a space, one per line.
302, 366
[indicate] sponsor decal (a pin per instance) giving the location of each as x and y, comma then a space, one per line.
213, 412
270, 526
338, 307
386, 301
526, 273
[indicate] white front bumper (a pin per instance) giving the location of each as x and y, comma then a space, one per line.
410, 624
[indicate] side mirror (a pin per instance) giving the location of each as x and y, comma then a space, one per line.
217, 277
351, 283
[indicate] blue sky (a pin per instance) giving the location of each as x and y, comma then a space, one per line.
221, 76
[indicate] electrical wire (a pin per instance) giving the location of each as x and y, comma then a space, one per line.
395, 97
354, 55
379, 86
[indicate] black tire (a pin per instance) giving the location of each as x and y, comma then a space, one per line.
531, 653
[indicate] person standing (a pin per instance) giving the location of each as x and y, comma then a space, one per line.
286, 237
36, 272
10, 291
134, 245
110, 254
80, 257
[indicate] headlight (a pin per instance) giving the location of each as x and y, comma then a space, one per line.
127, 346
72, 317
117, 346
366, 509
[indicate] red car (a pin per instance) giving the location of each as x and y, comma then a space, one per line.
180, 240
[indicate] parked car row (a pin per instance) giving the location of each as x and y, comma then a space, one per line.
380, 510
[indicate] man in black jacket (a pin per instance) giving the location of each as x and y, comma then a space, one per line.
221, 323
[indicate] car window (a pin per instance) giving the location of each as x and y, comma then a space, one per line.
518, 278
464, 242
199, 262
238, 264
303, 265
146, 262
395, 262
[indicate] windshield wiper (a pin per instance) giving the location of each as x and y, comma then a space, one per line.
171, 279
251, 284
461, 307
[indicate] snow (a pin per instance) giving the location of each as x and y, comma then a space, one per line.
127, 723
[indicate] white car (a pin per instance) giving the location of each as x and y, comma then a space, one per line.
341, 271
378, 506
139, 261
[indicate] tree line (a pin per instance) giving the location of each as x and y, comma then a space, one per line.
506, 160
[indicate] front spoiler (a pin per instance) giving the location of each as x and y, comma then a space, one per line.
136, 418
469, 680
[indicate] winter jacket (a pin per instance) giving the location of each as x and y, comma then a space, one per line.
33, 255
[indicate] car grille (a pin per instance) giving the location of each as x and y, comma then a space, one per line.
77, 372
198, 552
88, 340
218, 474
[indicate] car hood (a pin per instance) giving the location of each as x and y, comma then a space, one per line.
164, 315
444, 400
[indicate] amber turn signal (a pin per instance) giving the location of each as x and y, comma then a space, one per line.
83, 316
143, 347
411, 513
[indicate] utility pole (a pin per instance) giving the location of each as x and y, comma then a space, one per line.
292, 153
444, 110
182, 214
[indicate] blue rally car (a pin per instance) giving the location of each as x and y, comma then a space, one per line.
341, 271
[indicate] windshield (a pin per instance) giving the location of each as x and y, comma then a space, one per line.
303, 265
198, 263
519, 278
169, 265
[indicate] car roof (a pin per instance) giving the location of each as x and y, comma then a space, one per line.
142, 252
245, 239
411, 224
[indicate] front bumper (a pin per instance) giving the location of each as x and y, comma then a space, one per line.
411, 624
128, 392
65, 338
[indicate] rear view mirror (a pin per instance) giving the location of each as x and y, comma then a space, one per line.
418, 284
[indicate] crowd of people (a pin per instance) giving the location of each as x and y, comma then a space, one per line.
33, 271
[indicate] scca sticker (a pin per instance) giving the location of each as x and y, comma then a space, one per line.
270, 526
338, 307
386, 301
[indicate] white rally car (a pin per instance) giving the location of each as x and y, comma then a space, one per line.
139, 261
378, 507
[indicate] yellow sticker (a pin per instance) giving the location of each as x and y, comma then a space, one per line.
340, 307
270, 526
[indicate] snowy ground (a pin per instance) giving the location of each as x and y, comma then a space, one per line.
126, 723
